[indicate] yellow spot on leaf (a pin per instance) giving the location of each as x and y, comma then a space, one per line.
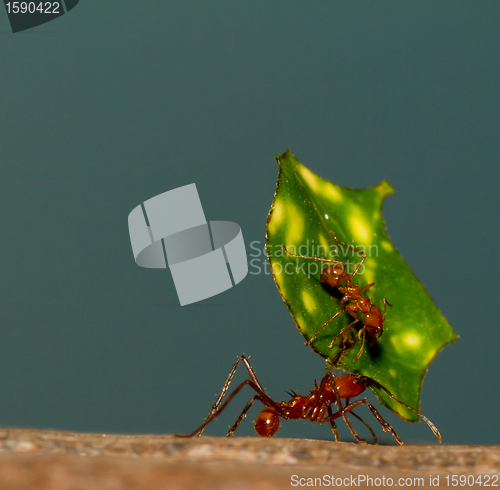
278, 273
295, 225
412, 340
309, 302
387, 246
369, 276
277, 216
360, 229
427, 358
324, 245
401, 410
309, 177
331, 192
299, 320
368, 271
406, 340
371, 263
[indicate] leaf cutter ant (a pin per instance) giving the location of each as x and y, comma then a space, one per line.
336, 274
316, 407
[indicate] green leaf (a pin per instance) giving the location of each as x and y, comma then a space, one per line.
306, 208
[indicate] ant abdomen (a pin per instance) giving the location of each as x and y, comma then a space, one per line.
267, 422
374, 322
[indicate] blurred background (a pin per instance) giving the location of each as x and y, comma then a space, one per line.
119, 101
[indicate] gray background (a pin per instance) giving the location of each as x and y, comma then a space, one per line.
119, 101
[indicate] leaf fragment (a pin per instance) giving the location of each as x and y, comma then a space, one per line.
306, 210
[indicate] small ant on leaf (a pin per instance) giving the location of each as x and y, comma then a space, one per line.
336, 274
317, 406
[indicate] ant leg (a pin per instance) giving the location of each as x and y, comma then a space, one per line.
318, 403
346, 297
314, 410
364, 401
351, 428
215, 408
385, 307
385, 425
353, 432
330, 377
341, 332
312, 339
368, 286
363, 343
423, 417
250, 370
338, 401
262, 397
318, 259
229, 378
375, 440
332, 423
243, 414
354, 250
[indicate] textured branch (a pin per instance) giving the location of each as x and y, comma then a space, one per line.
60, 460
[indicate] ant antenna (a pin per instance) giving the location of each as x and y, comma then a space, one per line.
317, 259
423, 417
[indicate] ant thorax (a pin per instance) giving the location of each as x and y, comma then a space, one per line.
351, 291
298, 406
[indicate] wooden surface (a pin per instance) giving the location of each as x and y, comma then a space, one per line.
61, 460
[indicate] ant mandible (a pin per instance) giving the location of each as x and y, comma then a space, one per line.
334, 275
317, 406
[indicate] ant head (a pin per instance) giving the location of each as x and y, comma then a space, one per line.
333, 275
350, 385
267, 422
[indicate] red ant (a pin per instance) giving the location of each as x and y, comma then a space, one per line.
333, 276
317, 406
